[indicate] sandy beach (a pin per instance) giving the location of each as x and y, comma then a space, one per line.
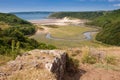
64, 21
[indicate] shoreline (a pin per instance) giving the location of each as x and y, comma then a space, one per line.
64, 21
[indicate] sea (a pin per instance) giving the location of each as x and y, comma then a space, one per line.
32, 15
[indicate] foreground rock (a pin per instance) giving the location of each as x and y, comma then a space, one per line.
36, 65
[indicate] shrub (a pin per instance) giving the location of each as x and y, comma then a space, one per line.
51, 47
88, 58
110, 59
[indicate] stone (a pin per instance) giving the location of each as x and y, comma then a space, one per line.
54, 61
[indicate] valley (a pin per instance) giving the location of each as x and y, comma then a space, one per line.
70, 46
71, 34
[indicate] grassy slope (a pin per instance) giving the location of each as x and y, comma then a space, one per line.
110, 24
13, 20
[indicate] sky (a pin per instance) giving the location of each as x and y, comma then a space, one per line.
57, 5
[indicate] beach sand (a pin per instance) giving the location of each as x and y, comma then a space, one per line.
64, 21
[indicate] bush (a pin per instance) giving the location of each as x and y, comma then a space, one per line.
88, 58
110, 60
51, 47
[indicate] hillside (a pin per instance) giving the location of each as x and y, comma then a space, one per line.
109, 21
13, 20
110, 24
80, 15
10, 20
71, 64
14, 34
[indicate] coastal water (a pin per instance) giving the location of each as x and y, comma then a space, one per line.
33, 15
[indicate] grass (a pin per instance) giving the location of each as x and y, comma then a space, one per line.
4, 59
4, 24
107, 66
32, 74
109, 59
68, 32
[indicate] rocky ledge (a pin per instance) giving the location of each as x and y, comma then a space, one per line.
52, 61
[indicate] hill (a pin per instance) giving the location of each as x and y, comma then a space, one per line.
14, 37
110, 24
13, 20
10, 20
80, 15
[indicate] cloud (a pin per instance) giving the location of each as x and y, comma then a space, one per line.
113, 0
117, 5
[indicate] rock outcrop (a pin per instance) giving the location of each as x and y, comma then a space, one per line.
54, 61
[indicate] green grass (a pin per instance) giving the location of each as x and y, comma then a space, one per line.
68, 32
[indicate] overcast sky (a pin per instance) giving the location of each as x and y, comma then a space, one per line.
58, 5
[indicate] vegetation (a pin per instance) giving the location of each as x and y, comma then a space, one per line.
109, 21
80, 15
87, 57
90, 57
13, 20
73, 36
110, 59
14, 38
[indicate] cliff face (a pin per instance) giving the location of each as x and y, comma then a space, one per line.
36, 65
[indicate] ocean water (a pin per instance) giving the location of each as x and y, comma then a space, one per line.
33, 15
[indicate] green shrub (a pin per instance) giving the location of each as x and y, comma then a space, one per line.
51, 47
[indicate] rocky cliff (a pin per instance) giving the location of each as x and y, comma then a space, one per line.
41, 64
